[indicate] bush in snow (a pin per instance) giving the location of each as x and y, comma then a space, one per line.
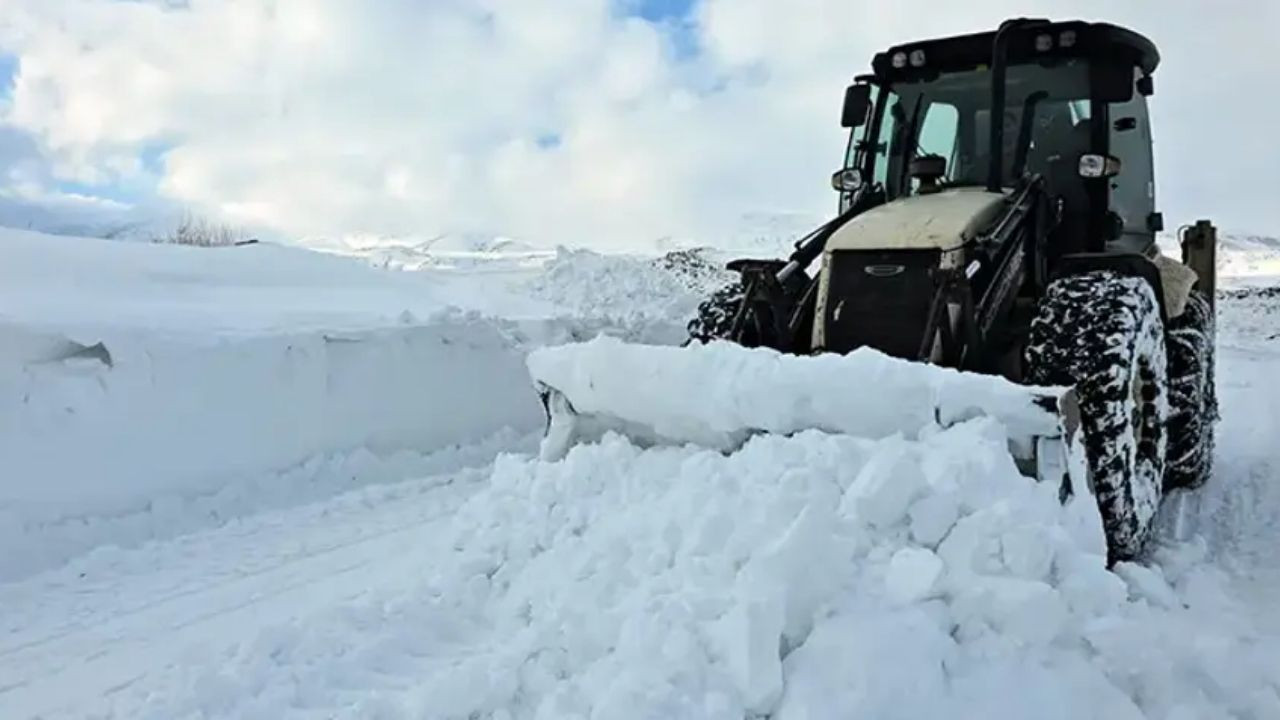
202, 232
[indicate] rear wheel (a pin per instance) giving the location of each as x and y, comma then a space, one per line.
1193, 404
1101, 332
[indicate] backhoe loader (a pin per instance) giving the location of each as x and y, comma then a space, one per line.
997, 226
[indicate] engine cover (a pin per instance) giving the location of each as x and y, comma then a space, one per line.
945, 220
876, 298
879, 271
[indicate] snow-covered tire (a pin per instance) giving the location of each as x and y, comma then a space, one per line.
1193, 403
715, 315
1101, 332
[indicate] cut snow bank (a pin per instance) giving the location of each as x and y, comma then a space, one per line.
147, 390
121, 423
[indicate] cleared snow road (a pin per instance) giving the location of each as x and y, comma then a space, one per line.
73, 638
1237, 515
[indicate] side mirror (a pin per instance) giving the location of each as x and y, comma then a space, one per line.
1099, 166
846, 180
857, 103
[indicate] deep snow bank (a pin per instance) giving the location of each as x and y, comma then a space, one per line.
147, 390
122, 423
143, 384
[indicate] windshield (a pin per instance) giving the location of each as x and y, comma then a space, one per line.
1045, 125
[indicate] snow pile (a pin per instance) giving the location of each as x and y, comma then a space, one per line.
717, 394
805, 577
628, 288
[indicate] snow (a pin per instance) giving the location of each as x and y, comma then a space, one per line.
152, 420
193, 385
87, 287
585, 282
609, 585
398, 571
913, 575
717, 394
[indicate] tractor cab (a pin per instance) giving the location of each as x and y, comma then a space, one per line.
1071, 114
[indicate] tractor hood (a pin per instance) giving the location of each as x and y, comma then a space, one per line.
945, 220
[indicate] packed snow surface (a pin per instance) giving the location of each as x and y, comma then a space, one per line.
824, 574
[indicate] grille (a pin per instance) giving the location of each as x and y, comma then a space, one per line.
879, 299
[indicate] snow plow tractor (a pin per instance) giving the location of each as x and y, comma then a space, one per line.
996, 232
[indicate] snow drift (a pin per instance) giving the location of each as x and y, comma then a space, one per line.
140, 422
138, 381
148, 390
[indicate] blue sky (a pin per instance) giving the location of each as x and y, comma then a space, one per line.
8, 67
659, 10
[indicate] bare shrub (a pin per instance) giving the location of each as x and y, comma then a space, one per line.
202, 232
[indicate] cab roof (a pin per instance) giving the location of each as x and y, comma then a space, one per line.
1072, 38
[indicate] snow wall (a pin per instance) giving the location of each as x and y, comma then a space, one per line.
149, 390
95, 428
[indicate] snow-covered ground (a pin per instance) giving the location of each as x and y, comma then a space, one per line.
260, 482
148, 390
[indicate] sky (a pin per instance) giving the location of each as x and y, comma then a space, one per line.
602, 123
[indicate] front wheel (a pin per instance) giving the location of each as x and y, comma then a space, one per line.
715, 315
1101, 332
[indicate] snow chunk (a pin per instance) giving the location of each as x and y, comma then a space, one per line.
885, 488
913, 575
1025, 612
932, 517
1148, 584
749, 639
870, 665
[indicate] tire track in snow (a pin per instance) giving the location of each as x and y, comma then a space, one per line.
75, 636
1237, 513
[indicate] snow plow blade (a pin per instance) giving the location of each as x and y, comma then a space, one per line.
719, 395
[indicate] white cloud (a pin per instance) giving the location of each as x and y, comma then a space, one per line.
552, 120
